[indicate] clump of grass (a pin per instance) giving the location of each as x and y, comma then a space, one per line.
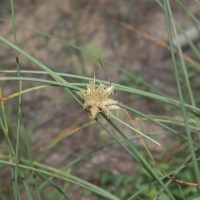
31, 177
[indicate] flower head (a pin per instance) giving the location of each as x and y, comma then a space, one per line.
97, 99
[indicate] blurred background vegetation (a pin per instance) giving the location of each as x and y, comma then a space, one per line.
130, 39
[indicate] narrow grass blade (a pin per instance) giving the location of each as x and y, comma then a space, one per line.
168, 18
52, 172
135, 154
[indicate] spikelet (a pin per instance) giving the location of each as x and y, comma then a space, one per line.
97, 99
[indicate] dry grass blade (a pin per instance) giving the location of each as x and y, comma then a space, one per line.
159, 168
155, 40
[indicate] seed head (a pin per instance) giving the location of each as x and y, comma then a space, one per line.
97, 99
